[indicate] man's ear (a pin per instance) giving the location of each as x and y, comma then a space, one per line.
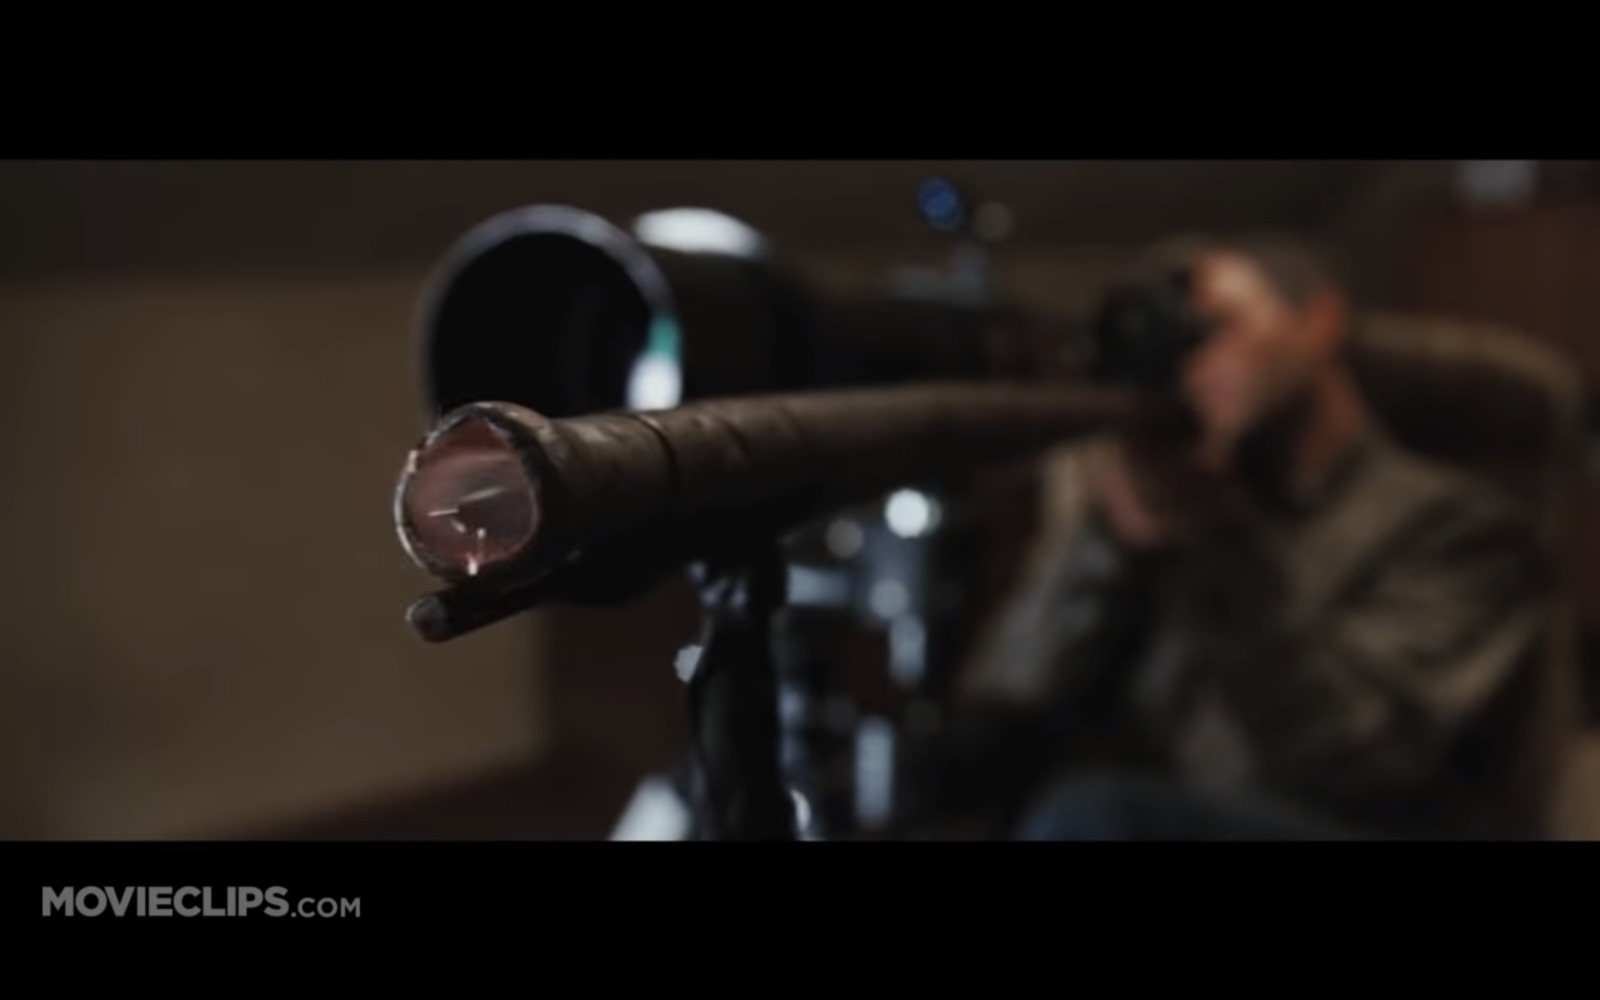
1327, 322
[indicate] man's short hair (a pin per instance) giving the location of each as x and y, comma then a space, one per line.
1296, 270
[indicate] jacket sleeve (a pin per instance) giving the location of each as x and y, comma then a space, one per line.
1364, 703
1075, 614
1024, 706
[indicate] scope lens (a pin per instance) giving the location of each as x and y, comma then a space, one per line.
468, 501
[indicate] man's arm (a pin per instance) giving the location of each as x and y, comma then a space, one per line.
1362, 706
1064, 621
1023, 705
1082, 599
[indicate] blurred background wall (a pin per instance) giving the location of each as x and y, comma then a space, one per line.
209, 391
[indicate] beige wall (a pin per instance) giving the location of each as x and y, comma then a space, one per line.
204, 597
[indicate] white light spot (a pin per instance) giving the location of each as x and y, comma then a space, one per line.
844, 539
655, 814
874, 772
910, 514
687, 662
907, 650
792, 706
802, 810
656, 383
810, 587
698, 230
889, 599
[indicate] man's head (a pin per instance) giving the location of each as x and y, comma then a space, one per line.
1278, 322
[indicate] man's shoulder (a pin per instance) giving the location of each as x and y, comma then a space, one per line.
1425, 499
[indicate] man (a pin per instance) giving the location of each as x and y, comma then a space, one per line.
1279, 626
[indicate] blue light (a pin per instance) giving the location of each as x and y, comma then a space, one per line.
940, 204
664, 338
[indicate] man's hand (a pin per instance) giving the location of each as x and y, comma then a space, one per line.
1228, 395
1154, 491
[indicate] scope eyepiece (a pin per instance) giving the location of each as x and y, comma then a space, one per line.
550, 307
557, 310
1143, 330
